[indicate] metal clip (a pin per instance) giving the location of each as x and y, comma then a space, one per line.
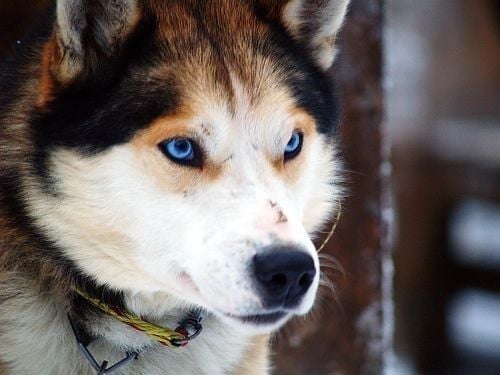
103, 367
190, 328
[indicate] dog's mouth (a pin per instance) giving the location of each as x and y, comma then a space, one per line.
260, 319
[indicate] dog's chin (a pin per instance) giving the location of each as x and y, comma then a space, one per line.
262, 321
256, 324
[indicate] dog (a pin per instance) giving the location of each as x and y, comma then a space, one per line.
164, 165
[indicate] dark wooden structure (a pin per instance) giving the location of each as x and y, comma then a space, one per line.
347, 336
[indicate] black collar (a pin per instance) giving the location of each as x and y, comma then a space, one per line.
84, 340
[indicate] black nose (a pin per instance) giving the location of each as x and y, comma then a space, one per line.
283, 276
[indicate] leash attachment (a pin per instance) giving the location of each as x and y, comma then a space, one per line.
190, 328
103, 368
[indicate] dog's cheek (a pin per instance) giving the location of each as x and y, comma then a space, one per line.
320, 187
114, 211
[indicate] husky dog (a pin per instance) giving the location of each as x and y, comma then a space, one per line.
159, 157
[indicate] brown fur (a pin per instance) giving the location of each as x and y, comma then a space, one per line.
47, 86
256, 358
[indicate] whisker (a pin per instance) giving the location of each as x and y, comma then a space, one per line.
330, 288
326, 282
329, 261
332, 230
331, 271
327, 256
347, 171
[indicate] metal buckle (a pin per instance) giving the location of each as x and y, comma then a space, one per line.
190, 328
103, 367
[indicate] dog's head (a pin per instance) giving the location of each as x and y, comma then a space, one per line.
186, 147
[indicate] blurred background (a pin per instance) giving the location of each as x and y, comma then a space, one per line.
442, 79
414, 264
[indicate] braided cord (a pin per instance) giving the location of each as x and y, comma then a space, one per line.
163, 335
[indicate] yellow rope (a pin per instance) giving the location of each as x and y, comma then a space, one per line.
334, 226
165, 336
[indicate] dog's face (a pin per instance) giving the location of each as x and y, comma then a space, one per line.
186, 148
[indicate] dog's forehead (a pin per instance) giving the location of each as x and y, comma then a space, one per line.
233, 44
221, 51
226, 62
184, 23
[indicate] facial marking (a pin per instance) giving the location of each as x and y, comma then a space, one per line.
172, 177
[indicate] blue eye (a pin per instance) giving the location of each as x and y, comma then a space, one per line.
294, 145
181, 151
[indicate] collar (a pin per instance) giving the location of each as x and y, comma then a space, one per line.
188, 329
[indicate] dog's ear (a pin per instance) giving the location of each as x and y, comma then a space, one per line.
86, 33
315, 23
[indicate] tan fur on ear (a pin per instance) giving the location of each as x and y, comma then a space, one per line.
317, 23
87, 30
46, 84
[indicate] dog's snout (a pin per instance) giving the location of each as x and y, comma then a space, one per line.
283, 276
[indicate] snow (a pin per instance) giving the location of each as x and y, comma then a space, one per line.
474, 322
475, 234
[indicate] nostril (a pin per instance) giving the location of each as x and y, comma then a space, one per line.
306, 280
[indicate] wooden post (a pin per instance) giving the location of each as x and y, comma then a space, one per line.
17, 17
354, 336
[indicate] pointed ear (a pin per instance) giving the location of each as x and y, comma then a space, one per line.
312, 22
87, 32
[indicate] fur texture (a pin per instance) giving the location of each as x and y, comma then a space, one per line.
89, 199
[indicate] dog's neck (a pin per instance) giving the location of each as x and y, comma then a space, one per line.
36, 337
